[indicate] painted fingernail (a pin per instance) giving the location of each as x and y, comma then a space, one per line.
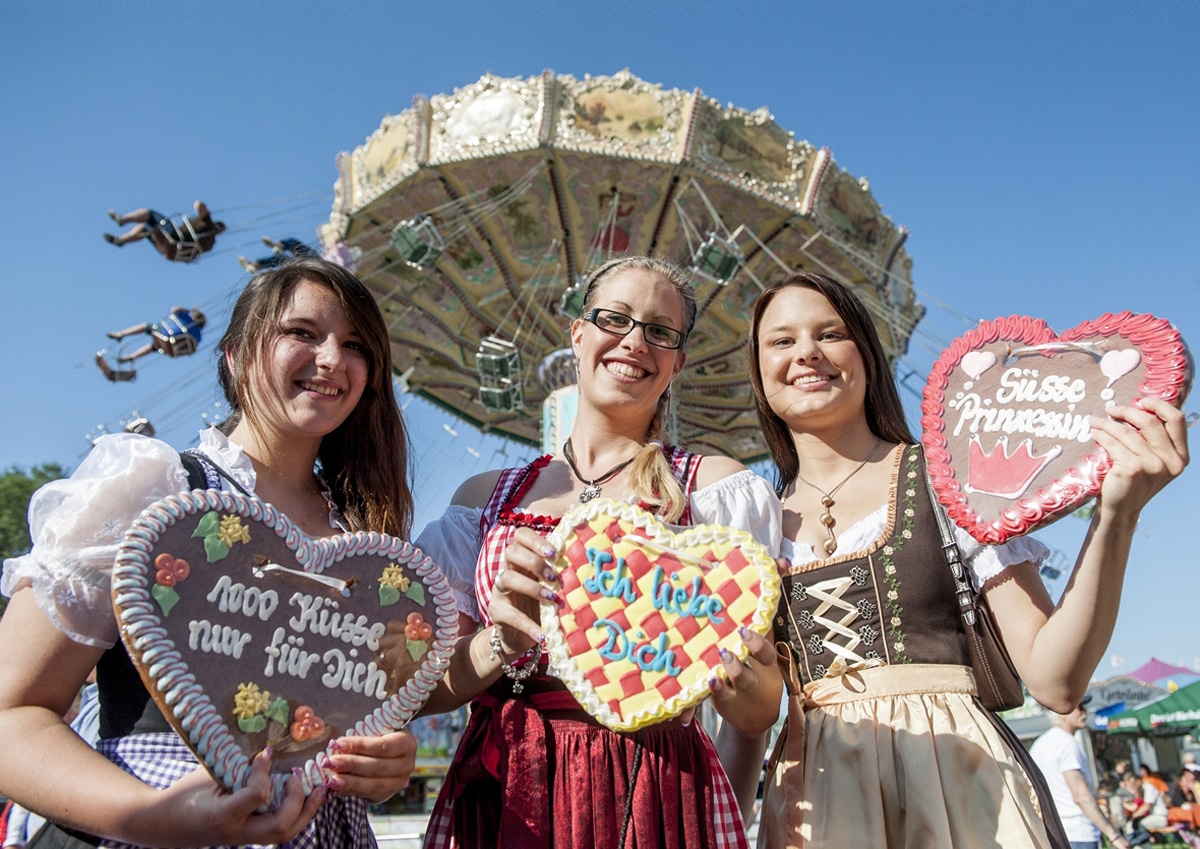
334, 784
541, 638
548, 551
335, 746
268, 752
743, 632
714, 683
299, 773
549, 574
725, 655
549, 595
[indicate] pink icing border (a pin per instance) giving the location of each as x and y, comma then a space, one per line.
180, 695
1168, 375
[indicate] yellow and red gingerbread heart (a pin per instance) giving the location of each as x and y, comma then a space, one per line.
647, 609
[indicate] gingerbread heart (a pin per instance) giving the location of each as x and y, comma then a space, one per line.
1005, 413
247, 633
648, 609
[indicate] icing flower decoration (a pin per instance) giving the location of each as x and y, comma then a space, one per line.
232, 530
171, 570
250, 701
306, 724
393, 583
417, 628
393, 576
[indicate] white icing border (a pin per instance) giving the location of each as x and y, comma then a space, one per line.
565, 667
163, 668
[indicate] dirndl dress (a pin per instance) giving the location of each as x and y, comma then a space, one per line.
897, 751
535, 770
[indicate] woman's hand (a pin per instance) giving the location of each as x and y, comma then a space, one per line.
196, 811
373, 768
748, 696
520, 590
1149, 449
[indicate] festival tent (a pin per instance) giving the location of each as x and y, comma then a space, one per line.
1164, 674
1177, 713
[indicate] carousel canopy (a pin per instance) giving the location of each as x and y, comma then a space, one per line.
474, 216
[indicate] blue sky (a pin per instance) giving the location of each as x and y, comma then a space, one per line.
1043, 157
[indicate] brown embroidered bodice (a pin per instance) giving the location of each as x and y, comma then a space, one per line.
891, 602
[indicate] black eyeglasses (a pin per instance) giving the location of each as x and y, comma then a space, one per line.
619, 324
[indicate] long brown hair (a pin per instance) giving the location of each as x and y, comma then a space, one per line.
885, 415
365, 460
650, 475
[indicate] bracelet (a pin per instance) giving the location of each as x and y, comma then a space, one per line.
521, 668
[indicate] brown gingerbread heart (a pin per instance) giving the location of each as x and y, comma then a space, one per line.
1005, 413
247, 633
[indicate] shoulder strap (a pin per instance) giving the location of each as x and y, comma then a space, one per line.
197, 466
196, 476
962, 584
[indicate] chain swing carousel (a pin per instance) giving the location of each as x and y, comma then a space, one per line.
474, 216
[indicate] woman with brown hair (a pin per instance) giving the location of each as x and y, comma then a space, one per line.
897, 751
317, 433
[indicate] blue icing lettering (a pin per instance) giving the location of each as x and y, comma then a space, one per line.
610, 583
648, 656
681, 601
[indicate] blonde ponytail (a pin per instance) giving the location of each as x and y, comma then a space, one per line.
650, 475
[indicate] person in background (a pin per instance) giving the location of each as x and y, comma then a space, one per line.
1060, 756
183, 242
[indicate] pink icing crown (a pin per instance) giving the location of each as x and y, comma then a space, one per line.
1002, 474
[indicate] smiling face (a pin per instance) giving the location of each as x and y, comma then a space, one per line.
812, 371
312, 369
628, 371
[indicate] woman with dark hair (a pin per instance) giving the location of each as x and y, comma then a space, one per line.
896, 749
533, 769
317, 433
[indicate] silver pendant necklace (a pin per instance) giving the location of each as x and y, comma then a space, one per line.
591, 488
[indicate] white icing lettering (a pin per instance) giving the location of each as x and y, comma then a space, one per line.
353, 676
318, 615
216, 639
286, 656
233, 597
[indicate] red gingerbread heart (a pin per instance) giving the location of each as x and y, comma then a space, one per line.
1005, 413
648, 610
247, 633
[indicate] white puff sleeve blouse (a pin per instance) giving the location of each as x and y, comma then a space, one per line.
742, 500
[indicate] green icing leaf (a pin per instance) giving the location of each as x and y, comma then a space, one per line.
388, 595
165, 596
214, 548
209, 524
278, 711
254, 724
416, 592
417, 648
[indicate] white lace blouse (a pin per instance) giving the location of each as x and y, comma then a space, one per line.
983, 561
742, 500
77, 523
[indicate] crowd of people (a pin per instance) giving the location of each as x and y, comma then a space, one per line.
886, 743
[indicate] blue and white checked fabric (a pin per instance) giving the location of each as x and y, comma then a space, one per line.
162, 759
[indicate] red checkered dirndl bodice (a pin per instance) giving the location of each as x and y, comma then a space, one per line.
534, 771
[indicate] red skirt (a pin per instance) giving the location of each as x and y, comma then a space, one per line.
534, 771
